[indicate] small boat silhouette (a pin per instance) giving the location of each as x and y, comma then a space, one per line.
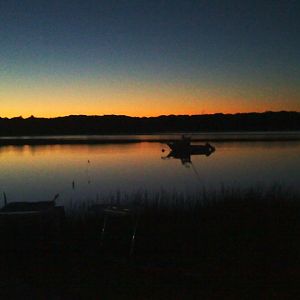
184, 146
183, 150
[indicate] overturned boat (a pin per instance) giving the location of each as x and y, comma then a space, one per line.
32, 218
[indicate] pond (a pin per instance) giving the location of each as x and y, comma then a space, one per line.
95, 172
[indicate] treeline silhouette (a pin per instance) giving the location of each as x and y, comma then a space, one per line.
119, 124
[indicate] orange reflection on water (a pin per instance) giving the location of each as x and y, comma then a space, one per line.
40, 172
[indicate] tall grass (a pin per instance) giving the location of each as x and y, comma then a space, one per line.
187, 203
225, 239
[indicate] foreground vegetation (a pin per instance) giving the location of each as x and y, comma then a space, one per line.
236, 244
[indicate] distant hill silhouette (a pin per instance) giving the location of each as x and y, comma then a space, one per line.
113, 124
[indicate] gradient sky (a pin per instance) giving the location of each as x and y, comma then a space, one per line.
147, 58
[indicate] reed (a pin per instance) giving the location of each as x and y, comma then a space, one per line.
196, 245
180, 202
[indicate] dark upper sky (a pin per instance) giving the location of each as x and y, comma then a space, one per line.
148, 57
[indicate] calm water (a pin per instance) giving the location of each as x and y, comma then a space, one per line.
37, 173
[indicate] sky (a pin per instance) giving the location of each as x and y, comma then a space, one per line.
148, 58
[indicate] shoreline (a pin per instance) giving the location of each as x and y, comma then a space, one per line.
153, 138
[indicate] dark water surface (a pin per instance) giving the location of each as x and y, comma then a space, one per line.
82, 173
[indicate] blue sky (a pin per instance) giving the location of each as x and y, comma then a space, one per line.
148, 57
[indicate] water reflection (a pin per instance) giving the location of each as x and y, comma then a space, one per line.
91, 172
183, 149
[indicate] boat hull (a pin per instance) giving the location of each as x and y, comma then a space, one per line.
191, 149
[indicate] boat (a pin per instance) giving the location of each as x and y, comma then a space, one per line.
185, 147
46, 216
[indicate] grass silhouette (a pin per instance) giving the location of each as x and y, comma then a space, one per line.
235, 243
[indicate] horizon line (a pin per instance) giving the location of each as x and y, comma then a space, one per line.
140, 117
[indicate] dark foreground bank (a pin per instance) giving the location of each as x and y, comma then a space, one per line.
240, 246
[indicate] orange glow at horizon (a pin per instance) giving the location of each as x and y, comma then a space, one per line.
138, 99
137, 110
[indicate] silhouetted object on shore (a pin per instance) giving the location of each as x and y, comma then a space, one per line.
42, 216
30, 207
112, 124
113, 215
